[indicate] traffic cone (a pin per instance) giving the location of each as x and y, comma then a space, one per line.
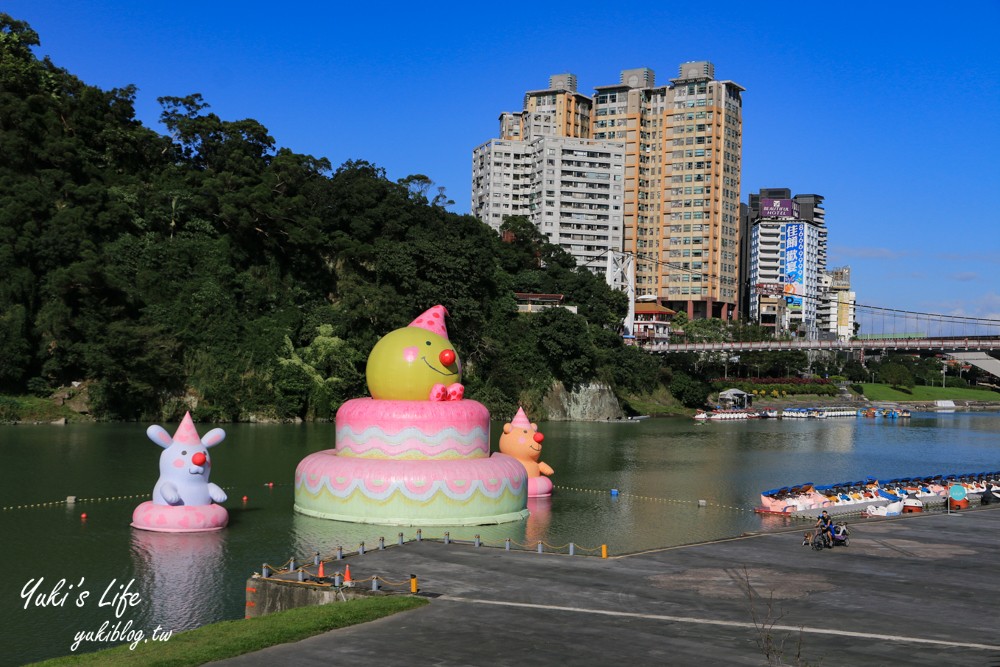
320, 573
347, 576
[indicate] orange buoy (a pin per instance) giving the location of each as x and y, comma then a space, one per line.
83, 517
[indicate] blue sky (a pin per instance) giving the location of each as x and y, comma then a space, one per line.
889, 110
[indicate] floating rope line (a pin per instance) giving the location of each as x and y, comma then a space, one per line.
100, 499
67, 502
657, 499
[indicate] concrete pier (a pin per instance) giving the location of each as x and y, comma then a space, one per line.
915, 590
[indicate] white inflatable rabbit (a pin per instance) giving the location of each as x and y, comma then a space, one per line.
185, 465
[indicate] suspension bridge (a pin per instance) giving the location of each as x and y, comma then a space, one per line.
879, 329
944, 345
965, 339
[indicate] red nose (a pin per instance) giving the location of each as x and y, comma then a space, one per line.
199, 459
447, 357
539, 437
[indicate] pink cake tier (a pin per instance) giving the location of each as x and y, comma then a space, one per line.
413, 430
418, 463
454, 492
179, 518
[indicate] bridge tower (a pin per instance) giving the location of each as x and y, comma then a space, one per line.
620, 275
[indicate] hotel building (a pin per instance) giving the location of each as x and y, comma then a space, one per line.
786, 252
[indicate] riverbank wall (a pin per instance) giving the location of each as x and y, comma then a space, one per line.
272, 594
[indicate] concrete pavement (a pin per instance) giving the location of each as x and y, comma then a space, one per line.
918, 590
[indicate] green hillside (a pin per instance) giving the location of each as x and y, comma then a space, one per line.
212, 267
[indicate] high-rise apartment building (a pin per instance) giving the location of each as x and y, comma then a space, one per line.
545, 167
786, 252
678, 193
683, 156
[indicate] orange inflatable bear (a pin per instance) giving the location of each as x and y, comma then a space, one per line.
522, 440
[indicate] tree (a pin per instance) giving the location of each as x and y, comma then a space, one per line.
565, 343
15, 350
525, 247
690, 392
896, 375
19, 71
241, 147
854, 371
631, 369
213, 265
417, 186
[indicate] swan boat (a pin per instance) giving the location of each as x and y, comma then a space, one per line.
871, 497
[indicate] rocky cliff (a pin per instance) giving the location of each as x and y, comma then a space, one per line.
589, 402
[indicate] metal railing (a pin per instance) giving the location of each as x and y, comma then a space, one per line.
943, 344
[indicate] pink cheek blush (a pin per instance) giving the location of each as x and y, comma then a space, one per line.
410, 354
178, 463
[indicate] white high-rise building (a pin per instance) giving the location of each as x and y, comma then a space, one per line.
577, 196
545, 167
501, 180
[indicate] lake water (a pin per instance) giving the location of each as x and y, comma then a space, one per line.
660, 467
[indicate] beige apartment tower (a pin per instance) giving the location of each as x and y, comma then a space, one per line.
683, 156
679, 191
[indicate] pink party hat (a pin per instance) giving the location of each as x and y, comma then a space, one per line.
432, 319
186, 433
520, 419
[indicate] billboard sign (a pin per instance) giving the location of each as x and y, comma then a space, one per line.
795, 251
777, 208
770, 289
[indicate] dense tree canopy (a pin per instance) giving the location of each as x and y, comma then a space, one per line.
211, 267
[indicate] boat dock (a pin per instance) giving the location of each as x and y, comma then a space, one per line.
917, 590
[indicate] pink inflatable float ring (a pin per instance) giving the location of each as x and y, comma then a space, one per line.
179, 518
539, 487
183, 500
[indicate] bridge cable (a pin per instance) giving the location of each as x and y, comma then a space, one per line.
940, 318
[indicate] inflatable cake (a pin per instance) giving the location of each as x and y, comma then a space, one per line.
417, 452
